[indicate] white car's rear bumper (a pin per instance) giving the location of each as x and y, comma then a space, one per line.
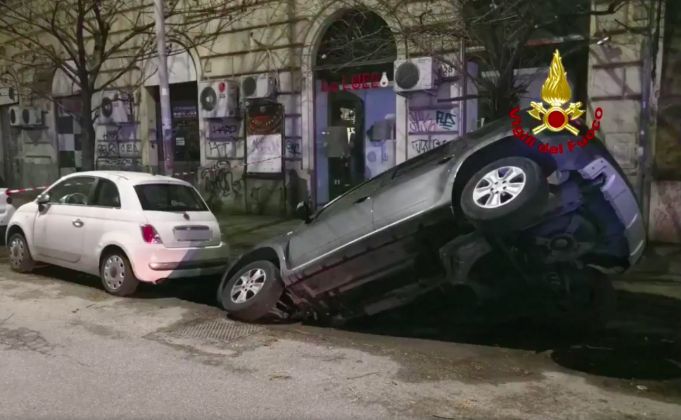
156, 263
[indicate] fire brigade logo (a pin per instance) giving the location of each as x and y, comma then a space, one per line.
556, 92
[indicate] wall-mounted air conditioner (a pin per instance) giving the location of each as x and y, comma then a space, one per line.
261, 86
115, 108
415, 74
8, 96
20, 116
218, 98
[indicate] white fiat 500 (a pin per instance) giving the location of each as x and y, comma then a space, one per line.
125, 227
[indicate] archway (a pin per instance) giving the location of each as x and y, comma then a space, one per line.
354, 102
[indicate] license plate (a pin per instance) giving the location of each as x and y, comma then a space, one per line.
192, 233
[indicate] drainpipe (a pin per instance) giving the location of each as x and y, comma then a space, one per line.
648, 112
463, 105
164, 89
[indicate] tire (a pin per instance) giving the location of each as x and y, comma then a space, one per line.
253, 303
116, 274
510, 212
20, 259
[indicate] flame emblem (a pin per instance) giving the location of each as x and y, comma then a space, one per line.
556, 92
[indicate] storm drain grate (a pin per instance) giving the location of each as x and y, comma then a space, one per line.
217, 329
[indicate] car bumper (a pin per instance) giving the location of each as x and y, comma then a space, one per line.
623, 201
163, 263
3, 231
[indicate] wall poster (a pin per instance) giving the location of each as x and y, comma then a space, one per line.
264, 139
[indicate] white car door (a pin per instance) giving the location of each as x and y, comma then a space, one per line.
102, 215
59, 228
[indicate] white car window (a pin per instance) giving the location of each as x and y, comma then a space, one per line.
107, 195
72, 191
169, 197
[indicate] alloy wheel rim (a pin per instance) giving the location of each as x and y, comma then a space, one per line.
114, 272
248, 285
16, 252
499, 187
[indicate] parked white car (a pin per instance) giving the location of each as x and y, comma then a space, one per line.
6, 211
125, 227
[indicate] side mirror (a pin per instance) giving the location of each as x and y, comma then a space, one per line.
43, 201
303, 211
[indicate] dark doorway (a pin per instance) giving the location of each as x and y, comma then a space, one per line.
345, 146
184, 112
355, 52
10, 172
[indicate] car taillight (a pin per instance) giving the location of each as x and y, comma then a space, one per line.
150, 235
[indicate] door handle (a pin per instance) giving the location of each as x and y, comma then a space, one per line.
78, 223
359, 200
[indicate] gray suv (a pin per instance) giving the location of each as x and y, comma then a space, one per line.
486, 212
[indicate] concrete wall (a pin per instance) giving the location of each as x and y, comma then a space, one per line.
615, 82
665, 204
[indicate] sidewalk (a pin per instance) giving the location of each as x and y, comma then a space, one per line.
243, 231
660, 263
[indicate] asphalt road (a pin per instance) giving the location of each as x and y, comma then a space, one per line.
69, 350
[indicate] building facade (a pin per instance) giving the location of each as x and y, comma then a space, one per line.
318, 110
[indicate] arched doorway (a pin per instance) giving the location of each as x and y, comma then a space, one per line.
354, 102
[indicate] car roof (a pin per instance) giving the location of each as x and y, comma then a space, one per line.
133, 177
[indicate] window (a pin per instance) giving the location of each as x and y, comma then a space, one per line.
107, 194
73, 191
169, 197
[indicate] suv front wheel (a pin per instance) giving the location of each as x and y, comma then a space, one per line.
505, 195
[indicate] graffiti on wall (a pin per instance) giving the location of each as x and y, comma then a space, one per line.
220, 180
422, 145
119, 163
223, 138
432, 120
117, 147
430, 128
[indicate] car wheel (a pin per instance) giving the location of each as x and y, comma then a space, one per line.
20, 259
508, 194
117, 275
253, 292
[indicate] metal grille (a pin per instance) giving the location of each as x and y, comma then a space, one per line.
217, 329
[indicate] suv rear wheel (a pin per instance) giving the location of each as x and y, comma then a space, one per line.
507, 194
253, 292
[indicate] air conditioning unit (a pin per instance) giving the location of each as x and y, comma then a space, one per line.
8, 96
218, 98
415, 74
25, 117
261, 86
115, 108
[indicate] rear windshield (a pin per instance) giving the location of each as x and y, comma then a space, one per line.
169, 197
